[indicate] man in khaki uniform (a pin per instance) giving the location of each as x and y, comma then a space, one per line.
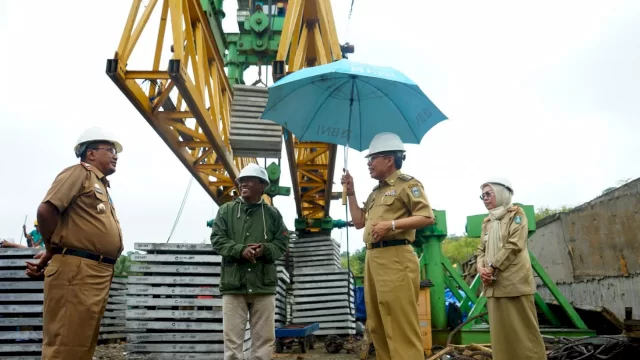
83, 240
392, 213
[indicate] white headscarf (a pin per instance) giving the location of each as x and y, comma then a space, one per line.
503, 203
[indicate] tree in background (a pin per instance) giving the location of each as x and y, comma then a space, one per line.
356, 261
544, 211
123, 264
459, 249
618, 184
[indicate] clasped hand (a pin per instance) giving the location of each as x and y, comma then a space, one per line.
486, 275
380, 230
252, 252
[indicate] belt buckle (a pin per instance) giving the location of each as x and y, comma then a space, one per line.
64, 250
100, 259
369, 246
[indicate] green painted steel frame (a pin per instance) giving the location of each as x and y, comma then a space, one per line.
255, 45
437, 268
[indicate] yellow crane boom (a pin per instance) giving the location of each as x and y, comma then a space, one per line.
187, 100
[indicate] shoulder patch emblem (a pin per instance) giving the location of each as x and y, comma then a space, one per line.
517, 219
415, 191
405, 177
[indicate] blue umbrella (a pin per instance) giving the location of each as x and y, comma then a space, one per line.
348, 103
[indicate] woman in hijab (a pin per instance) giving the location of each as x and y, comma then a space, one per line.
505, 269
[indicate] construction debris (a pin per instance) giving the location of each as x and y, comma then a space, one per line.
595, 347
333, 344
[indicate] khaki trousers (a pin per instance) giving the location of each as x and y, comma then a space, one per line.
261, 309
391, 290
76, 291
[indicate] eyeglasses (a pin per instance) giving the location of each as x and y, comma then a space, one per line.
113, 151
373, 157
486, 195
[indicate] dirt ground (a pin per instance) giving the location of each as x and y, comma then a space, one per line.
117, 352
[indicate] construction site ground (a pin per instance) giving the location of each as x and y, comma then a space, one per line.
117, 352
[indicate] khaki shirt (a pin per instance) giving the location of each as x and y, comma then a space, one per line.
88, 219
514, 276
397, 197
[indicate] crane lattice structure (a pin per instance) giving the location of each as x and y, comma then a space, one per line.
189, 98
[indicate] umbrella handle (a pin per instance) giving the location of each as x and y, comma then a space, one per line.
344, 194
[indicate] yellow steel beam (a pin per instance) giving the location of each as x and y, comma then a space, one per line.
308, 39
188, 103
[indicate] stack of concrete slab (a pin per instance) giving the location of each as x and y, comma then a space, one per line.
281, 297
289, 306
20, 306
314, 252
249, 135
113, 325
177, 301
324, 295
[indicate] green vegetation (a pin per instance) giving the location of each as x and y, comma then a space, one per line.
356, 260
123, 265
545, 211
618, 184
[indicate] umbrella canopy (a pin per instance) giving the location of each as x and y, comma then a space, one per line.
348, 103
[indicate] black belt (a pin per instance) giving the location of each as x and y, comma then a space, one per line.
83, 254
387, 243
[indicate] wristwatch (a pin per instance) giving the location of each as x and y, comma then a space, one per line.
393, 225
493, 267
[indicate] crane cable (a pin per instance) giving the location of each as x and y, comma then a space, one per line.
184, 200
349, 21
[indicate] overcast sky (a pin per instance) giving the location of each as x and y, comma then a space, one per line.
543, 94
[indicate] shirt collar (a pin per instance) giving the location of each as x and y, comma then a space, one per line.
391, 179
98, 173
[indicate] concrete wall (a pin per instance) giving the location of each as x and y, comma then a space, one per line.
615, 293
548, 245
593, 251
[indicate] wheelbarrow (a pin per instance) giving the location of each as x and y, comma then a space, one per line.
302, 334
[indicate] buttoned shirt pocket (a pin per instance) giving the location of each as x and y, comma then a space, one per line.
388, 209
101, 201
388, 200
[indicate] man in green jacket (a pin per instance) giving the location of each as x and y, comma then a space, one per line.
250, 235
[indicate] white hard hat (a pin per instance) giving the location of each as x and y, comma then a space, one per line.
500, 181
384, 142
95, 134
254, 170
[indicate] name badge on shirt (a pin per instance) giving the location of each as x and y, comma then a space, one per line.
98, 189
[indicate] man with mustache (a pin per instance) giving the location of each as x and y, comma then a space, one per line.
250, 235
83, 240
396, 207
